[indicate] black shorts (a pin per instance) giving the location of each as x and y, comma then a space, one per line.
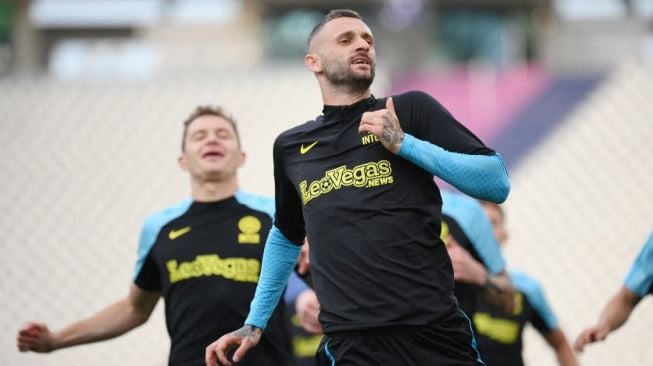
450, 342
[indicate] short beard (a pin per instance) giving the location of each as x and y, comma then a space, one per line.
343, 77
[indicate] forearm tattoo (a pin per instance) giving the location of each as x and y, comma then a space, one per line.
392, 133
248, 331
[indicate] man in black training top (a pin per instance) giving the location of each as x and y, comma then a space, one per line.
358, 182
202, 255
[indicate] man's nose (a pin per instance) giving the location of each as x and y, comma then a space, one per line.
362, 44
213, 138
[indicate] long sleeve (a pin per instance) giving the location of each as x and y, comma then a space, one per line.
279, 259
480, 176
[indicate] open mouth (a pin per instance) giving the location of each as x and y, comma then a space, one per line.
212, 154
361, 60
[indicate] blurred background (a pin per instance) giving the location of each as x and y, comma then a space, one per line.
93, 94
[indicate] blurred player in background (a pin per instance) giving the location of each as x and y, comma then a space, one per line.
358, 182
202, 256
303, 310
478, 264
500, 332
638, 283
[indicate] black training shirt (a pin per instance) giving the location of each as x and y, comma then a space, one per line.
205, 259
371, 217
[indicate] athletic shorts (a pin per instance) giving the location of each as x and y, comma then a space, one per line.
450, 342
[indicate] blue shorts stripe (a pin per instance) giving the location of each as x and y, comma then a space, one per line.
328, 353
474, 346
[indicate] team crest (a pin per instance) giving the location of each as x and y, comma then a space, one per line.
250, 228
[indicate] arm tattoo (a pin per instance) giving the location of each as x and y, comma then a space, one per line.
392, 133
248, 331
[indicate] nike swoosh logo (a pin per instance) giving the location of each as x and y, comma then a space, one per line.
303, 150
174, 234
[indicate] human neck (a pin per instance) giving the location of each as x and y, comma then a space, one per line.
341, 95
213, 190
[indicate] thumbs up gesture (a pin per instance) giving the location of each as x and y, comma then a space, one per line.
385, 125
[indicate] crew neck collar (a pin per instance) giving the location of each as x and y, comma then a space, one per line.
331, 111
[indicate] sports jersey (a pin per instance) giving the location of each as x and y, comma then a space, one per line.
205, 258
463, 217
499, 334
304, 344
372, 218
640, 277
474, 228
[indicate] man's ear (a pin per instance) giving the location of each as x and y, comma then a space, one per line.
242, 159
313, 62
181, 160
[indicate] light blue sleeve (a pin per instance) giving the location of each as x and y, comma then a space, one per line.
266, 204
279, 258
469, 214
152, 227
640, 277
528, 286
481, 176
261, 203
